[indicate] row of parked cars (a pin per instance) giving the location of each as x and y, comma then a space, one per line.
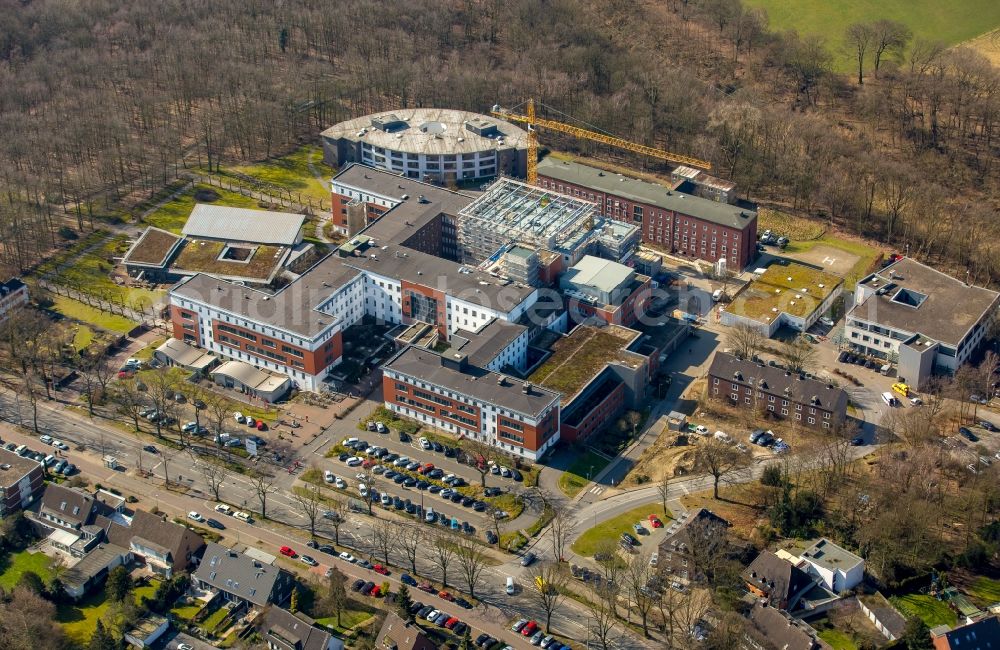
530, 629
763, 438
55, 465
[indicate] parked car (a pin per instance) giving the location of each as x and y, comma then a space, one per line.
529, 629
989, 426
194, 516
967, 434
528, 558
222, 508
347, 557
288, 551
214, 523
629, 539
407, 579
307, 559
655, 521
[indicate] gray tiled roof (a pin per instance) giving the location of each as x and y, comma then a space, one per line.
473, 382
291, 631
68, 504
237, 574
776, 380
645, 192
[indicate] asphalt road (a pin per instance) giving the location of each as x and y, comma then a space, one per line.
67, 425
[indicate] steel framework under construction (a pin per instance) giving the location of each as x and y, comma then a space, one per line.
510, 211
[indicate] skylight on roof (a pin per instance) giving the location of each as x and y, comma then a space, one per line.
909, 297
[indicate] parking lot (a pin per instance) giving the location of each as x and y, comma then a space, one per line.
402, 483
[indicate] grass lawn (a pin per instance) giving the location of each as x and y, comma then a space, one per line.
172, 215
79, 620
186, 612
349, 619
950, 22
837, 639
985, 591
213, 621
929, 609
12, 567
146, 353
87, 314
83, 337
292, 172
795, 228
589, 541
575, 478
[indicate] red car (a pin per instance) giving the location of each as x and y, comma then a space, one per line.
426, 586
529, 629
288, 551
261, 425
427, 468
376, 591
653, 519
451, 623
445, 595
378, 568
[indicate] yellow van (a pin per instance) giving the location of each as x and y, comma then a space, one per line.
902, 389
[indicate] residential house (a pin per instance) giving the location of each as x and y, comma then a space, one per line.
778, 581
147, 630
983, 634
21, 481
242, 579
93, 568
782, 394
165, 546
838, 569
283, 630
694, 531
69, 513
397, 634
777, 631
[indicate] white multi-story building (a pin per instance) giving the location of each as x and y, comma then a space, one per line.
921, 318
447, 392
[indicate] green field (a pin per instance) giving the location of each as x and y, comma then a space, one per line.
12, 567
575, 478
87, 314
172, 215
930, 610
590, 540
349, 619
78, 620
950, 22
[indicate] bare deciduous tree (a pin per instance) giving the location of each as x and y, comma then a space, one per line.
309, 502
547, 582
215, 474
745, 340
263, 485
471, 561
411, 541
444, 553
860, 38
719, 459
384, 537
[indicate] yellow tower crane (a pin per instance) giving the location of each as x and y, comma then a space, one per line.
533, 122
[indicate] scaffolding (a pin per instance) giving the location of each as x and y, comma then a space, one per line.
512, 211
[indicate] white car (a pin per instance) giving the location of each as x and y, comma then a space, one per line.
59, 444
425, 443
348, 557
916, 401
242, 516
194, 516
701, 430
46, 439
654, 559
238, 417
340, 483
185, 646
354, 461
329, 477
222, 508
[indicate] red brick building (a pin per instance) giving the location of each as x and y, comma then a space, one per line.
681, 223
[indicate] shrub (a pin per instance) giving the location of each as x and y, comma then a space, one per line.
68, 233
772, 476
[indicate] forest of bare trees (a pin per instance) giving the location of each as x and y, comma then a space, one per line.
103, 101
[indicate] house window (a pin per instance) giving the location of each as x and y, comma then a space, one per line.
747, 400
812, 420
798, 416
784, 411
734, 397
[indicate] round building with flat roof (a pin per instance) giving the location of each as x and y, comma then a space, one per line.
436, 145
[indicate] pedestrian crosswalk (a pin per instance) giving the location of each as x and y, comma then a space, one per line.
597, 489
